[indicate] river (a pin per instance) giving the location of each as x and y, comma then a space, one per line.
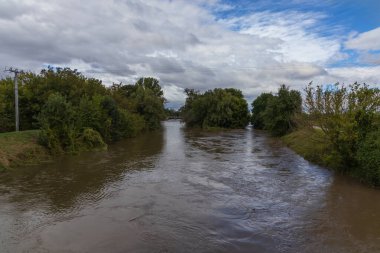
181, 190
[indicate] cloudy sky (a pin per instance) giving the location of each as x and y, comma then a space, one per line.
251, 45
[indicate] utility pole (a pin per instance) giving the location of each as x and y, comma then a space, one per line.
16, 72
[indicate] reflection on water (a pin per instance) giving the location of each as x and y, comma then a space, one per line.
73, 179
187, 191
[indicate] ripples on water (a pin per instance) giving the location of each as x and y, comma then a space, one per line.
187, 191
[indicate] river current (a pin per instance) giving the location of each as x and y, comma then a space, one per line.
180, 190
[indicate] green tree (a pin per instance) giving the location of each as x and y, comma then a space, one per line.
281, 110
152, 84
7, 111
345, 115
276, 113
58, 125
144, 98
225, 108
75, 112
258, 108
368, 157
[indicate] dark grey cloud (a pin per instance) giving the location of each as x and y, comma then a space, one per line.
10, 9
165, 65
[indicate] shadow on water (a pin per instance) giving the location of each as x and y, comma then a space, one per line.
71, 180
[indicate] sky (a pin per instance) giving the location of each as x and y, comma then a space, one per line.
254, 46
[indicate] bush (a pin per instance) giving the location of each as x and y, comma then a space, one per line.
48, 139
131, 124
345, 115
368, 157
91, 140
58, 125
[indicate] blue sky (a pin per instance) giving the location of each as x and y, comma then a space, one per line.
340, 17
254, 46
359, 15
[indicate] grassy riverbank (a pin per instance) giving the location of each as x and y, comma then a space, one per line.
310, 144
313, 145
21, 148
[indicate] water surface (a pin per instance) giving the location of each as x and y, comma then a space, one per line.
187, 191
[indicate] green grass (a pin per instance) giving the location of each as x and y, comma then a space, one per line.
21, 148
312, 145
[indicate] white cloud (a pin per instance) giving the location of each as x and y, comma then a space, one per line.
349, 75
180, 42
295, 31
365, 41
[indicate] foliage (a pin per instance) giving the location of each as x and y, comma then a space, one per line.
258, 108
171, 113
276, 112
7, 119
145, 98
368, 157
65, 104
59, 129
225, 108
345, 115
312, 144
91, 140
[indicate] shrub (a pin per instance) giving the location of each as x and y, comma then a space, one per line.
131, 124
368, 156
345, 115
91, 140
58, 125
48, 138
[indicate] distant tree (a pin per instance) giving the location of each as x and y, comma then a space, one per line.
281, 109
276, 112
152, 84
258, 108
144, 98
172, 113
225, 108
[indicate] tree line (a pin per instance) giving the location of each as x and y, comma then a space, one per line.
344, 119
77, 113
342, 124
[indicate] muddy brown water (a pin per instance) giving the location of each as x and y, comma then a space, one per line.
187, 191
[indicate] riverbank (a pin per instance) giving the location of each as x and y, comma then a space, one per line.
21, 148
311, 144
181, 191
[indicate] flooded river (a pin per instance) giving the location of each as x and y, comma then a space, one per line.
187, 191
